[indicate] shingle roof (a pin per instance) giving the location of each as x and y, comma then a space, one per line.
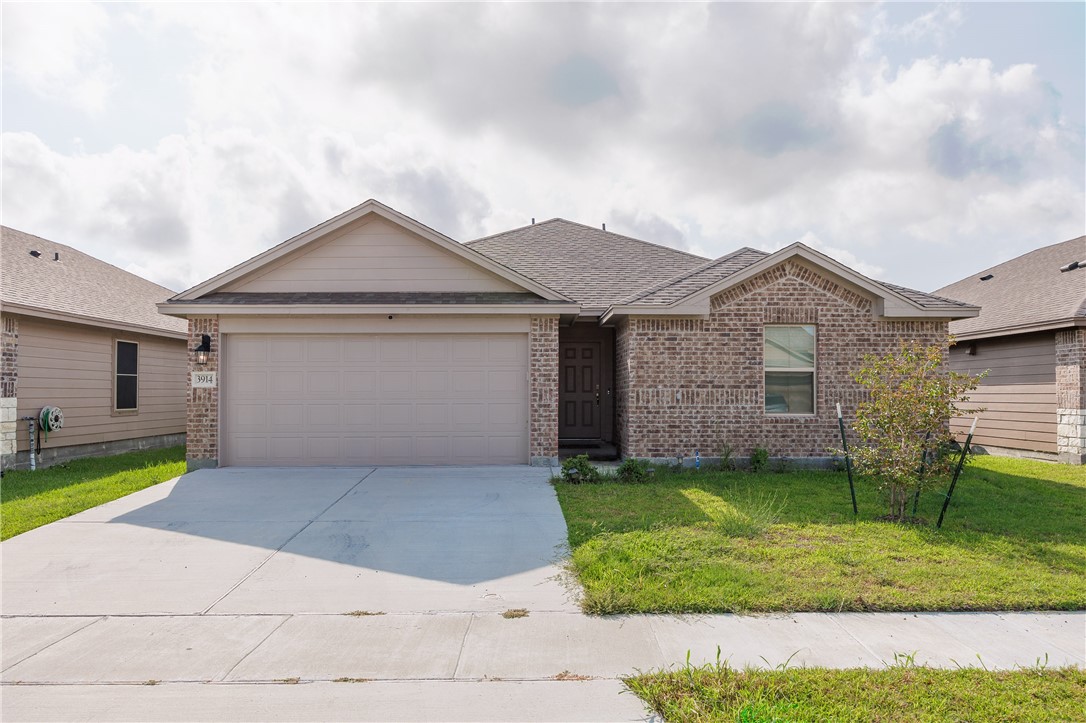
593, 267
928, 301
1026, 291
369, 297
78, 284
678, 287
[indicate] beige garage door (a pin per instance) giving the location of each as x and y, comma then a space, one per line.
297, 400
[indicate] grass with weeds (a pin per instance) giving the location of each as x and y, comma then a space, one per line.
364, 613
718, 541
32, 499
513, 613
351, 680
899, 694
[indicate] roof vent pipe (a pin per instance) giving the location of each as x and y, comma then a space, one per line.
604, 227
986, 277
56, 256
35, 254
533, 220
1074, 265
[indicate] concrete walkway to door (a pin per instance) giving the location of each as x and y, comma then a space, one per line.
233, 591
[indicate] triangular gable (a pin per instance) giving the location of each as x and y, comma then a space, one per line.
370, 248
888, 301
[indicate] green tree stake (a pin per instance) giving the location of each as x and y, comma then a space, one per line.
848, 462
957, 471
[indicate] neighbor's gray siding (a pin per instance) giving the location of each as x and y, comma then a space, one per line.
1019, 393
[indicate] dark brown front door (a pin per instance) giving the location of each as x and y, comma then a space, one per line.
579, 393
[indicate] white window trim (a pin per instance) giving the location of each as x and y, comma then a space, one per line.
812, 370
113, 402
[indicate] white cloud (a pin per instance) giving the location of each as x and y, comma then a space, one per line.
57, 51
703, 126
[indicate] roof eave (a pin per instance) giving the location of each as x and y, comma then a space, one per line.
1052, 325
183, 310
24, 310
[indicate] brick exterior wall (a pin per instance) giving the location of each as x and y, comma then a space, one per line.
686, 384
543, 389
202, 428
1071, 395
9, 383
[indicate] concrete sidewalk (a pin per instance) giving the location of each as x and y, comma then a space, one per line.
206, 662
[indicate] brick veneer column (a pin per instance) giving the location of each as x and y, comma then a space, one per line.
543, 390
202, 427
9, 382
1071, 395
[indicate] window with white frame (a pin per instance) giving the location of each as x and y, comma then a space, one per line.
126, 375
790, 369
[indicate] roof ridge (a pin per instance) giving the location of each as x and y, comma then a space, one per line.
89, 256
1016, 258
648, 290
590, 228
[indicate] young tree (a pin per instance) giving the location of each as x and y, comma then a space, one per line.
906, 417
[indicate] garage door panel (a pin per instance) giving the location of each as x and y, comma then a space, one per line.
287, 416
324, 417
286, 383
251, 385
396, 415
360, 350
323, 450
467, 415
432, 381
430, 415
323, 383
358, 384
324, 350
284, 350
360, 416
375, 399
468, 382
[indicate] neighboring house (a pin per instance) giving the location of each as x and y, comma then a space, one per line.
85, 336
373, 339
1031, 336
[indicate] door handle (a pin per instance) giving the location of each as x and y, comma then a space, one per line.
597, 395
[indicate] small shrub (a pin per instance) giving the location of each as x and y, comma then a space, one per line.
633, 471
727, 457
759, 458
579, 470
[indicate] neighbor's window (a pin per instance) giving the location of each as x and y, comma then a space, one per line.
127, 357
789, 369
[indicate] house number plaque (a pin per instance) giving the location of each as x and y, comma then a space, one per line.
204, 380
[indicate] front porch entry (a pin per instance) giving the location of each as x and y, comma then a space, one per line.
586, 409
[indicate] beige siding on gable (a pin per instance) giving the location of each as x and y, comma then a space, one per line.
1019, 393
71, 366
375, 256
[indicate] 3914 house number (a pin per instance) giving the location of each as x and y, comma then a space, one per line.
204, 380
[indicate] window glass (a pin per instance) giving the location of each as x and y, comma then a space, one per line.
789, 369
126, 386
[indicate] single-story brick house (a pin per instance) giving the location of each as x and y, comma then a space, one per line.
85, 336
1031, 338
373, 339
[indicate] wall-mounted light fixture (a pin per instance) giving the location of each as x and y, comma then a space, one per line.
203, 350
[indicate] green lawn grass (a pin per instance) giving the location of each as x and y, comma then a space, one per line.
32, 499
904, 694
1014, 539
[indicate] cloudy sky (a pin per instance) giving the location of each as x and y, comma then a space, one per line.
916, 142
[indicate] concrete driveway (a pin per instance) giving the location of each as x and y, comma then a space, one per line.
285, 541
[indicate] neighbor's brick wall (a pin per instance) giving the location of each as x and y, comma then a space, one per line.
9, 383
543, 387
687, 384
202, 428
1071, 395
